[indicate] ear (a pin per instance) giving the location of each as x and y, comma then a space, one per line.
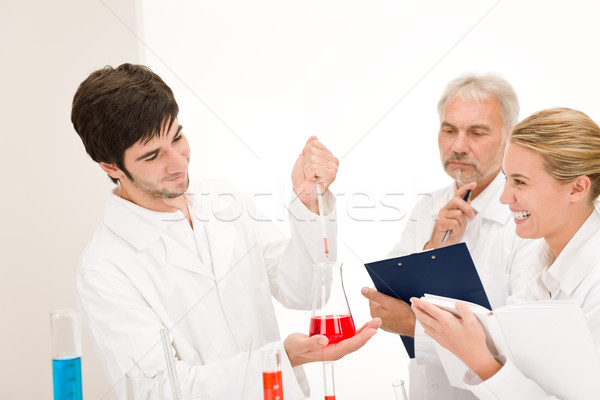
580, 188
112, 170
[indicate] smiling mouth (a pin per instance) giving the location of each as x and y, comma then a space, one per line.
520, 215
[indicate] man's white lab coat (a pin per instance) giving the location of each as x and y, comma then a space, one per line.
499, 256
134, 278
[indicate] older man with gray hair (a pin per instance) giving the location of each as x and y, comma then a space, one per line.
477, 113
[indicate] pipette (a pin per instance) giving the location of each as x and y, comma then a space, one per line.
322, 218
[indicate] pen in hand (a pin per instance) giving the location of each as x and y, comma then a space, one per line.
447, 235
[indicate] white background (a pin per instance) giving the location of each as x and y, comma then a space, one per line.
254, 80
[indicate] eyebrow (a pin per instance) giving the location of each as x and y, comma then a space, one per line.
152, 152
476, 126
482, 127
516, 175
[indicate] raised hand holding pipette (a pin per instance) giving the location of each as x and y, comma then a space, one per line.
315, 163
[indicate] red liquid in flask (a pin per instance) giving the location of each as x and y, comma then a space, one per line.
329, 397
336, 328
272, 385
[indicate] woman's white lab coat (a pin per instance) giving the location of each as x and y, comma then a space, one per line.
134, 279
574, 275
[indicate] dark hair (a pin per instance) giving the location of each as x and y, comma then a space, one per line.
115, 108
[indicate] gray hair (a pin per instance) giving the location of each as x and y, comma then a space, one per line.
482, 87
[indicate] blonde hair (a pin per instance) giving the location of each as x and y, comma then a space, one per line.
483, 87
569, 142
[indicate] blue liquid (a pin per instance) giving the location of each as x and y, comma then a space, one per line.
66, 373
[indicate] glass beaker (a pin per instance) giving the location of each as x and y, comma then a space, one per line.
145, 385
66, 354
330, 310
399, 389
271, 365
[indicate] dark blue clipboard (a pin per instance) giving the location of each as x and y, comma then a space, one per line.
447, 271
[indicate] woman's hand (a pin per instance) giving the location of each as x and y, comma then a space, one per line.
463, 336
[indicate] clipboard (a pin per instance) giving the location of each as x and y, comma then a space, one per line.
448, 271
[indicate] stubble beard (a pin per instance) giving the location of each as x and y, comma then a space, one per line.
153, 191
477, 174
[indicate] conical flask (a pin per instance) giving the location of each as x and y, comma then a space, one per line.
330, 310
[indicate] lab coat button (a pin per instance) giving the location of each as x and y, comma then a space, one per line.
434, 386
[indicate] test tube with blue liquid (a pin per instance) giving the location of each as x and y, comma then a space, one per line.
66, 355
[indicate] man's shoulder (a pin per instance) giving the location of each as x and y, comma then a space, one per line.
101, 249
435, 198
443, 192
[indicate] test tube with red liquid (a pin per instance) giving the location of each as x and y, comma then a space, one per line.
328, 381
272, 385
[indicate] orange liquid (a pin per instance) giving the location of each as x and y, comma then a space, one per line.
272, 388
336, 328
329, 397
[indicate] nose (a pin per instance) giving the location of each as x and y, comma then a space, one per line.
507, 196
461, 143
175, 161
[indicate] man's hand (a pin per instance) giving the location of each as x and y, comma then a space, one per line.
454, 217
395, 314
315, 163
302, 349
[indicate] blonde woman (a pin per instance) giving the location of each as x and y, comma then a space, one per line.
552, 168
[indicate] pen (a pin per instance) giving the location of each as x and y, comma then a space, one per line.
465, 198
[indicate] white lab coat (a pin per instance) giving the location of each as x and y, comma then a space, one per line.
499, 256
134, 279
574, 275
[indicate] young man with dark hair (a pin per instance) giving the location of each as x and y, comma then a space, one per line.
192, 256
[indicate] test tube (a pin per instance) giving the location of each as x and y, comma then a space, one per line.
66, 354
328, 381
399, 389
272, 385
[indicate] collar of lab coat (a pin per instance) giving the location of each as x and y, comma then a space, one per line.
578, 258
121, 217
